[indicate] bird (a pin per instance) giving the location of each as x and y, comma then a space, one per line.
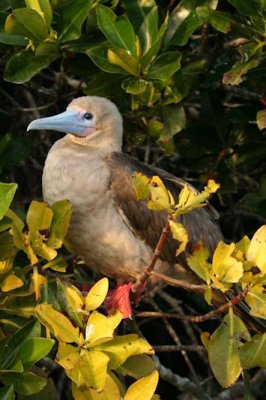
113, 232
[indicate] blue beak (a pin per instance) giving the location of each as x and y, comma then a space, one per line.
69, 121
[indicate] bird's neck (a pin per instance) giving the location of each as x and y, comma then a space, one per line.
102, 141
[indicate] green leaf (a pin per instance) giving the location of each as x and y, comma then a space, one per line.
99, 56
223, 349
97, 294
23, 66
138, 10
137, 366
220, 21
7, 393
62, 211
134, 85
25, 383
73, 15
43, 7
57, 323
118, 30
27, 23
16, 40
149, 30
144, 388
10, 346
248, 8
7, 192
33, 350
252, 353
175, 119
124, 60
240, 68
165, 66
156, 46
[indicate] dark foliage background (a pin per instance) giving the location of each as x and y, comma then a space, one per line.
194, 106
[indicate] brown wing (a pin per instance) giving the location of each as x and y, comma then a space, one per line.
148, 224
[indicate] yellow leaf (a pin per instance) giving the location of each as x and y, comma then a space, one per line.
93, 367
101, 327
110, 392
257, 249
120, 348
39, 216
179, 233
37, 280
212, 186
97, 294
144, 388
205, 339
256, 299
11, 282
160, 199
140, 183
74, 297
67, 355
225, 267
198, 262
57, 323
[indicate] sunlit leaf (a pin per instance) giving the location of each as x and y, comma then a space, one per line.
257, 250
101, 327
43, 7
99, 56
97, 294
148, 31
93, 366
160, 199
225, 267
110, 391
261, 119
198, 262
11, 282
144, 388
122, 347
57, 323
256, 299
140, 184
134, 85
121, 58
179, 233
61, 212
223, 349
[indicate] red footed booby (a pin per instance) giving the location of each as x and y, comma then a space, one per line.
113, 232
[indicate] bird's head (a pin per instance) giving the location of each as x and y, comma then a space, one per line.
89, 120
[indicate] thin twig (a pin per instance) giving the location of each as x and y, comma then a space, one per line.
180, 347
176, 282
145, 276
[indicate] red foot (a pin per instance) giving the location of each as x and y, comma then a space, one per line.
119, 298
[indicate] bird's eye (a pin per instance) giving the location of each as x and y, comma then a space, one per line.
88, 116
